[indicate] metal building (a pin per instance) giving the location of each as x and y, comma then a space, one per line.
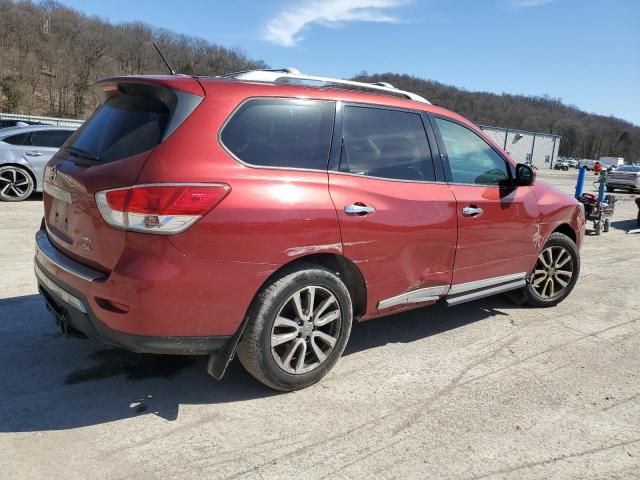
541, 149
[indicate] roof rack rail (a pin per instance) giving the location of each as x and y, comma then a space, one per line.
294, 75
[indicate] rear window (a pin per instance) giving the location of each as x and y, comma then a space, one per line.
281, 133
123, 126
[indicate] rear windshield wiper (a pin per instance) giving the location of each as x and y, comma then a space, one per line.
78, 152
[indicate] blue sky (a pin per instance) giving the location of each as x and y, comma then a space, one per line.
586, 52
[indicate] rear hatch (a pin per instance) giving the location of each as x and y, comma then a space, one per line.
109, 151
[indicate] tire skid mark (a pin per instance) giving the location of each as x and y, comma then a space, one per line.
559, 458
632, 398
452, 385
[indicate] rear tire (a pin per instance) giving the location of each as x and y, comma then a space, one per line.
298, 327
16, 183
555, 273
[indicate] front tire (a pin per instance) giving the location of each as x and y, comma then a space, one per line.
555, 273
298, 327
16, 184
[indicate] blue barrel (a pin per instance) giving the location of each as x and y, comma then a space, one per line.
580, 185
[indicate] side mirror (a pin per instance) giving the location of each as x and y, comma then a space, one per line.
525, 175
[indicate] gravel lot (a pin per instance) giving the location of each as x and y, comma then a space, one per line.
483, 390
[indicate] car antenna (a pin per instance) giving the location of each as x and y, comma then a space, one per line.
171, 70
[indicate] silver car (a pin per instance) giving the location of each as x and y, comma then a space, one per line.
24, 152
625, 177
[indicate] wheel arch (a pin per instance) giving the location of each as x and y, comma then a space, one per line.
567, 230
342, 266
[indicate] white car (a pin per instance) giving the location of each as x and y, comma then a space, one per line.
626, 177
24, 152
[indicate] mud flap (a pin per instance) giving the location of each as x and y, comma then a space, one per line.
218, 362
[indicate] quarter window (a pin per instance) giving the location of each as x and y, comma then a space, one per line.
19, 139
386, 144
288, 133
471, 159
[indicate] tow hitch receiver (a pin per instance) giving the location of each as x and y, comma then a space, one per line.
62, 317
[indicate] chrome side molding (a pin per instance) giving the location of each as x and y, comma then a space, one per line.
460, 293
429, 294
485, 292
57, 192
485, 283
45, 250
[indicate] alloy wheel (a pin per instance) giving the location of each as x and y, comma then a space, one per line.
15, 183
553, 273
306, 330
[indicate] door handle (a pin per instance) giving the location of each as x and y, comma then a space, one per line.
358, 209
31, 153
471, 211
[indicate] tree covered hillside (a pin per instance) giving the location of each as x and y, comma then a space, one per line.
51, 55
584, 135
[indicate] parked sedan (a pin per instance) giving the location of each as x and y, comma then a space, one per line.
626, 177
24, 151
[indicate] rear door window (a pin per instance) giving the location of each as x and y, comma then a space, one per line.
385, 143
281, 132
50, 138
123, 126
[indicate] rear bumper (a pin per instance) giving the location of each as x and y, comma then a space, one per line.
154, 290
74, 316
69, 289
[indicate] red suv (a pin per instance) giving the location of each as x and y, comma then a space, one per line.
263, 212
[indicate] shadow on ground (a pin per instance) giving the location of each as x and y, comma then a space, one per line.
54, 383
625, 225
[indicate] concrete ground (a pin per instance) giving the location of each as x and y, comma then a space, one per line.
483, 390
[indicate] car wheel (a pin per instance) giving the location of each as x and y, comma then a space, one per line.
555, 274
297, 329
605, 227
16, 184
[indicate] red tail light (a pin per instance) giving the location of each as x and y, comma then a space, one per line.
160, 208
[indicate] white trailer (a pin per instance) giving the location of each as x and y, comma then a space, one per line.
612, 161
